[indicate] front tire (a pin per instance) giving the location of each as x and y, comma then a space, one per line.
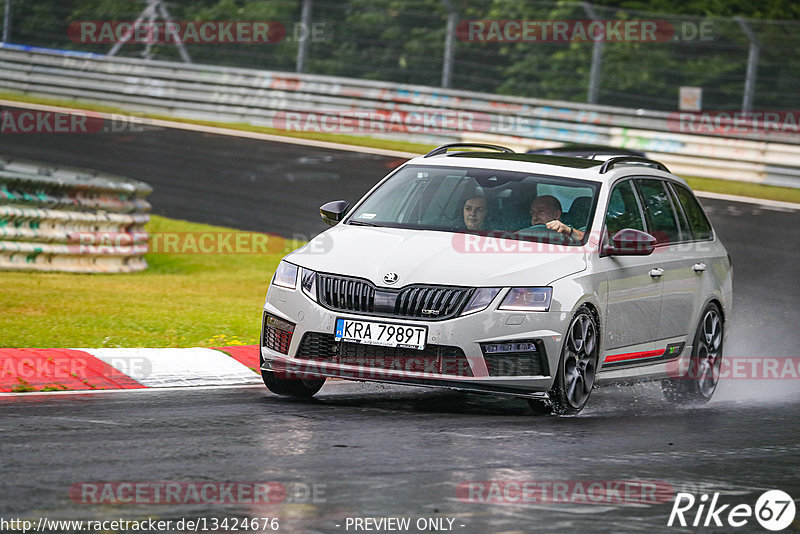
577, 367
700, 383
303, 388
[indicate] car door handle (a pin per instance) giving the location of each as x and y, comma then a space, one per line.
699, 267
657, 272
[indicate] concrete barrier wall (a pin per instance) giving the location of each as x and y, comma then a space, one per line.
281, 100
70, 220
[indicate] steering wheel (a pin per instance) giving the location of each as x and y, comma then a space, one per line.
540, 232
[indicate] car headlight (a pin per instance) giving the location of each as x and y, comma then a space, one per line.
308, 283
482, 297
285, 275
527, 299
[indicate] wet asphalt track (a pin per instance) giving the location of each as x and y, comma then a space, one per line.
387, 451
391, 451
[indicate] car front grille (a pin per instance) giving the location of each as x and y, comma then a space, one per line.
433, 303
436, 359
421, 301
346, 294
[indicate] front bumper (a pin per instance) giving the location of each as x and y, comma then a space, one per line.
462, 334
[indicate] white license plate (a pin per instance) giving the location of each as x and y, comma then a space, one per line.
383, 334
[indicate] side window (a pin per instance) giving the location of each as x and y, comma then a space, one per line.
698, 222
623, 210
661, 217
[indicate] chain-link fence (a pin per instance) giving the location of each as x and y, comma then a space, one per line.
534, 49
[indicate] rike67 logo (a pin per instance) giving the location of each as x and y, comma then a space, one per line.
774, 510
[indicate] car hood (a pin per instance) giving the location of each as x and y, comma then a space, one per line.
439, 258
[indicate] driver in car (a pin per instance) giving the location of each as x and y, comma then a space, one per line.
546, 212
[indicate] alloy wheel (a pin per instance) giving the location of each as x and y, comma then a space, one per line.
580, 358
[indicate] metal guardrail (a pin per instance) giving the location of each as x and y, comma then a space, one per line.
264, 98
70, 220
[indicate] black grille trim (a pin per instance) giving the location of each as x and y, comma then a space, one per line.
438, 359
347, 294
275, 338
528, 363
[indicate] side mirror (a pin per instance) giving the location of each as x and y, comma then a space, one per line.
333, 212
630, 242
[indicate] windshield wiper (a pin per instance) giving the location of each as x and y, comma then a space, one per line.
362, 223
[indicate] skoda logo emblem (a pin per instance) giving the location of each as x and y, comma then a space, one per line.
390, 278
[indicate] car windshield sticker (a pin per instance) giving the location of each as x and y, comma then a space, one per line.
367, 216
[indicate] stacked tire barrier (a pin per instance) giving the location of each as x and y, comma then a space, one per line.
282, 100
70, 220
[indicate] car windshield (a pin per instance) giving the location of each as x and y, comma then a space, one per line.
481, 201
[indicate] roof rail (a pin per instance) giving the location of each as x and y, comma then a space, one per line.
611, 162
444, 148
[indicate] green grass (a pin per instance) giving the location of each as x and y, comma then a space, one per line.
181, 300
712, 185
745, 189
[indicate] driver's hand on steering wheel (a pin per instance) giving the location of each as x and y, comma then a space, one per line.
561, 228
558, 226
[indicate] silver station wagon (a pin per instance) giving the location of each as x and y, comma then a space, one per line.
480, 269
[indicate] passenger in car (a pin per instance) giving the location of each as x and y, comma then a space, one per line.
476, 211
546, 211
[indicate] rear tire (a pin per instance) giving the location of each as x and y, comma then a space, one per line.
700, 383
303, 388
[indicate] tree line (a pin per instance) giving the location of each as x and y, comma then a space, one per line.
404, 41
